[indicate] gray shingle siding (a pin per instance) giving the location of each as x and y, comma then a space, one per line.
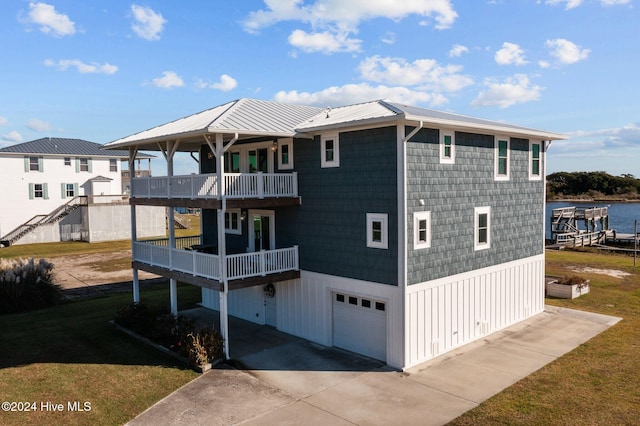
452, 191
330, 225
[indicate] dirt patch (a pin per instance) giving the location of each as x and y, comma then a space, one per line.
95, 274
610, 272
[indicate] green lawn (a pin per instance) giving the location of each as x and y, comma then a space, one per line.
70, 353
599, 382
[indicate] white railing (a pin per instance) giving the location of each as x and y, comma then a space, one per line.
205, 265
236, 185
580, 238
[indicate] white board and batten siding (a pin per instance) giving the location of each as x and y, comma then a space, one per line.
447, 313
305, 308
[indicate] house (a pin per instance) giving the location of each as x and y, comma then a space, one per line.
396, 232
57, 189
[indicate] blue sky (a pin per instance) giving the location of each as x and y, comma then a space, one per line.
103, 69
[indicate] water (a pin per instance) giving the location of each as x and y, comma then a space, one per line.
621, 215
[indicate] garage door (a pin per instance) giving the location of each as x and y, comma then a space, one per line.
360, 325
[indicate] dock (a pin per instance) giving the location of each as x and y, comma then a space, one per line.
576, 227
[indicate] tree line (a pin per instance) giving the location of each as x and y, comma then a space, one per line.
595, 185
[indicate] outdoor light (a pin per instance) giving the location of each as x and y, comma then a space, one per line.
274, 146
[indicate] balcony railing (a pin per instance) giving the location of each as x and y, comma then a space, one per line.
236, 185
244, 265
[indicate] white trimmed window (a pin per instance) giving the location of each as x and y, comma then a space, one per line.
83, 165
38, 190
113, 165
377, 230
330, 151
421, 230
502, 158
68, 190
482, 228
67, 161
285, 154
33, 164
535, 163
447, 147
232, 223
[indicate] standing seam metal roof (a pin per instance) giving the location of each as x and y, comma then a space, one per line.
65, 146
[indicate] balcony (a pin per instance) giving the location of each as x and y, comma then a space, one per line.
205, 186
243, 270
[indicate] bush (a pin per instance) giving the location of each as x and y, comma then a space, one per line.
176, 333
571, 280
26, 285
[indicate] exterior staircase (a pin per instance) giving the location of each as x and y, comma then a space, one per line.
39, 220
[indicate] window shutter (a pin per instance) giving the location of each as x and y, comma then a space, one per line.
26, 164
77, 165
45, 191
75, 190
63, 190
89, 166
40, 164
31, 192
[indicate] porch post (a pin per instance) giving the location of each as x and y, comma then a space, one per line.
173, 284
134, 234
222, 248
173, 294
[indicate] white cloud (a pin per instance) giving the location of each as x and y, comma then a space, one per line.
363, 92
148, 24
571, 4
618, 137
81, 67
3, 121
424, 73
388, 38
168, 80
12, 136
226, 84
566, 52
513, 90
50, 21
334, 21
510, 54
325, 42
38, 125
457, 50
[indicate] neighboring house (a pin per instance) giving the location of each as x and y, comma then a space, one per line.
51, 188
392, 231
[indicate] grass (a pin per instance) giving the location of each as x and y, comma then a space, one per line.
597, 383
70, 353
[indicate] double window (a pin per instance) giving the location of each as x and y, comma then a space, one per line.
232, 222
502, 158
377, 230
330, 151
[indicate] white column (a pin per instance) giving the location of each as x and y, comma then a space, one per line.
222, 248
136, 286
173, 294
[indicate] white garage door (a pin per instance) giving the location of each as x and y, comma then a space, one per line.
360, 325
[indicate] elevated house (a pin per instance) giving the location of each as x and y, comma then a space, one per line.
57, 189
392, 231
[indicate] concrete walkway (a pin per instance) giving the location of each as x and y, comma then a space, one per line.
290, 381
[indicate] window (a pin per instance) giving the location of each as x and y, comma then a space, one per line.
329, 146
447, 148
232, 162
232, 222
502, 158
67, 161
534, 161
482, 226
83, 164
340, 297
365, 303
380, 306
421, 230
377, 230
33, 164
113, 165
69, 190
353, 300
38, 190
285, 154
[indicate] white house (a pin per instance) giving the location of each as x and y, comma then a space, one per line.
52, 181
392, 231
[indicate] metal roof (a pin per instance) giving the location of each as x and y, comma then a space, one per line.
383, 112
248, 117
66, 146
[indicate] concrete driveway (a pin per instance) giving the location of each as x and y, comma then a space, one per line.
278, 379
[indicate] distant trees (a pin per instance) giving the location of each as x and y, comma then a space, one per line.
592, 185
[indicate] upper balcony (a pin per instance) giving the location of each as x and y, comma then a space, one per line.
202, 190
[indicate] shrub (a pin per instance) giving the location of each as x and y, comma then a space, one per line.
26, 285
176, 333
571, 280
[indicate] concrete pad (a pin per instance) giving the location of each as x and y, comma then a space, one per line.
220, 396
299, 413
389, 398
301, 368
